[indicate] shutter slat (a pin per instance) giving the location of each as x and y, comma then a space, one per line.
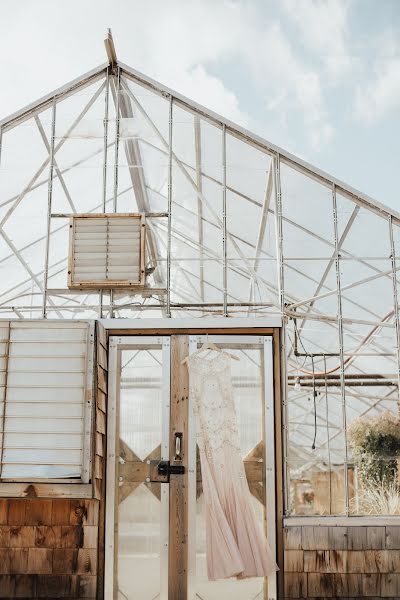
28, 472
44, 419
106, 249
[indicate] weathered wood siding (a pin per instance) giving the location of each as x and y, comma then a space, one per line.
48, 548
342, 562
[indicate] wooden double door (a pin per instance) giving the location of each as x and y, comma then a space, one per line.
155, 511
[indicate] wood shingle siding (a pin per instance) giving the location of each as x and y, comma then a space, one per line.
48, 548
342, 562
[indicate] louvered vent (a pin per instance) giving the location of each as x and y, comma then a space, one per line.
106, 251
45, 391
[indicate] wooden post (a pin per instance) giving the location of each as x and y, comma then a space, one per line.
279, 458
178, 502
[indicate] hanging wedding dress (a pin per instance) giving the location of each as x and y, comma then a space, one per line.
236, 544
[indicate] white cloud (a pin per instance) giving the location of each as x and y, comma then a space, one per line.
323, 27
211, 92
380, 96
291, 88
182, 44
231, 32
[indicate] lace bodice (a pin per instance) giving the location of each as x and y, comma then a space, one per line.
212, 399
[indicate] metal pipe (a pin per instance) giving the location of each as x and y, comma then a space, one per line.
105, 149
347, 376
341, 345
354, 383
49, 204
197, 143
262, 228
150, 215
169, 226
116, 149
224, 228
80, 307
279, 254
328, 439
395, 299
4, 403
116, 159
1, 142
105, 155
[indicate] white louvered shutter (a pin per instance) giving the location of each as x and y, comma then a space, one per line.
45, 400
107, 251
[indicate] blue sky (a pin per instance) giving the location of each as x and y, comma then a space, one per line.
320, 78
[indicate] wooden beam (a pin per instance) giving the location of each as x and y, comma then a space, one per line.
110, 49
279, 456
178, 502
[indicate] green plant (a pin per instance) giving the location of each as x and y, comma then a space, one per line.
375, 442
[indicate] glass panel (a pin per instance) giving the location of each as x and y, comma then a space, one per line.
248, 389
142, 567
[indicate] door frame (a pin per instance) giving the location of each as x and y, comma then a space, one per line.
116, 346
152, 328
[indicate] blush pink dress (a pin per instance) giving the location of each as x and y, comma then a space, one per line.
235, 543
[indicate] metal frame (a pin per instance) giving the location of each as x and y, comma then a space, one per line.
129, 325
341, 347
170, 141
62, 92
42, 300
260, 142
49, 205
224, 227
116, 345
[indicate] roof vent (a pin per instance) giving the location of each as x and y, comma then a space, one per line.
106, 251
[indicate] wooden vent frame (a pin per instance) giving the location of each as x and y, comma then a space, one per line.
106, 283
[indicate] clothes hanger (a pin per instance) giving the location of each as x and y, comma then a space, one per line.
207, 345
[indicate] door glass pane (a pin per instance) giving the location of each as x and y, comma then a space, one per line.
248, 389
142, 528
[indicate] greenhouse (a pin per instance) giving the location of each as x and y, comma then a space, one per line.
137, 228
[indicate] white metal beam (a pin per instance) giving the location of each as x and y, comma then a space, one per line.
45, 163
263, 144
61, 93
